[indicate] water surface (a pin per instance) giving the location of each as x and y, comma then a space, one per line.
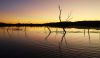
43, 43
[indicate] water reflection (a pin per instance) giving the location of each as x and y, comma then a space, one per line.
84, 32
89, 34
63, 39
99, 35
8, 33
59, 38
47, 36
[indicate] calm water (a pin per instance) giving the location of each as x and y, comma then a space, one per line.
39, 42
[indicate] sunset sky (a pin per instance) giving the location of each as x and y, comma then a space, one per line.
44, 11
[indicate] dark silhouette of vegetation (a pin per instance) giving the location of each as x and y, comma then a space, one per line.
79, 24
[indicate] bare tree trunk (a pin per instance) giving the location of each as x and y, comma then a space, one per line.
60, 13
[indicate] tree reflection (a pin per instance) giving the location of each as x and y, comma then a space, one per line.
63, 39
84, 32
25, 30
9, 35
89, 34
47, 36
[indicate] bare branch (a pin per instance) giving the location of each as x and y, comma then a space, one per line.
69, 16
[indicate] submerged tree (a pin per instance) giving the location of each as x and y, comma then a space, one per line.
69, 16
60, 13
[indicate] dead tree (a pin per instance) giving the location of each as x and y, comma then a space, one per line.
60, 13
69, 16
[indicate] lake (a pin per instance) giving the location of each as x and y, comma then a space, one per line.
21, 42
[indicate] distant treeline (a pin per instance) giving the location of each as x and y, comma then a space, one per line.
75, 24
88, 24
